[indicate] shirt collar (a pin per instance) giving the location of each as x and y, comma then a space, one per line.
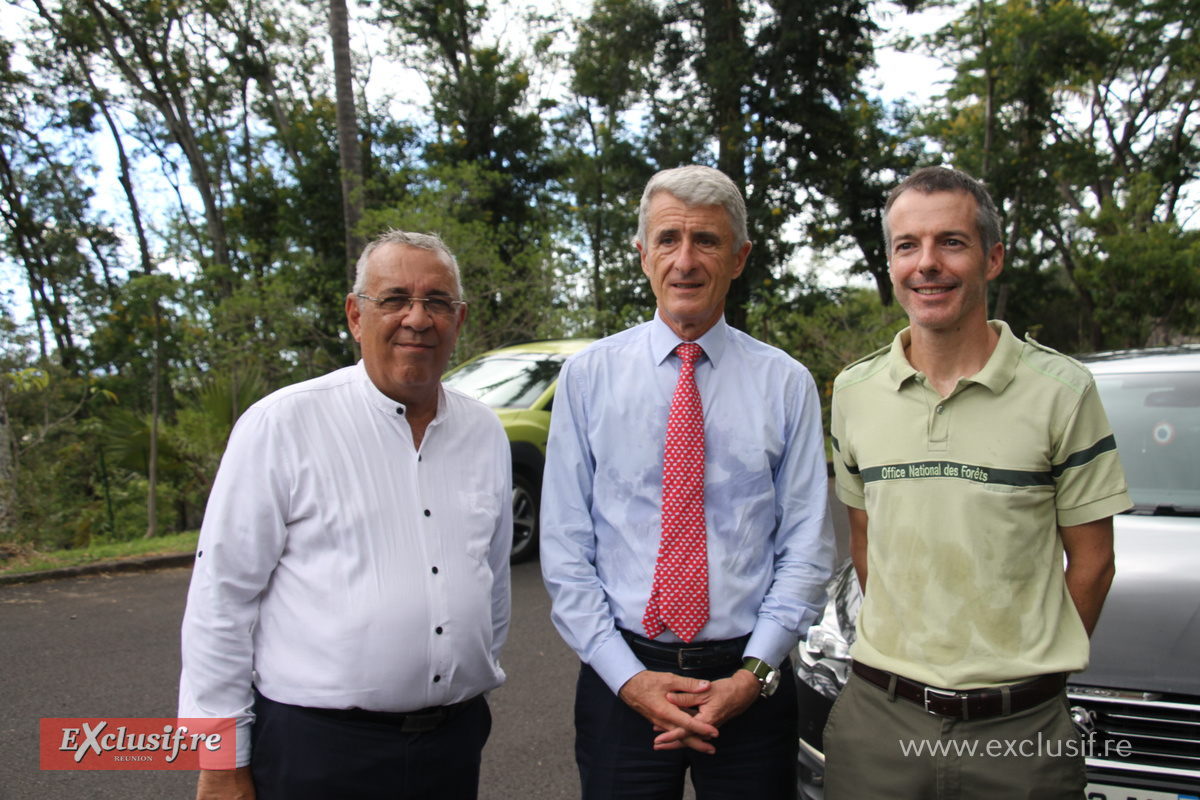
663, 340
1002, 366
387, 405
996, 374
900, 369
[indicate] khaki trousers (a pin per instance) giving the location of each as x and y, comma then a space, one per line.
881, 747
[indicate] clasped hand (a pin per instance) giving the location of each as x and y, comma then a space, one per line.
688, 712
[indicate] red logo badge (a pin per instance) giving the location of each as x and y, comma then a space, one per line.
138, 743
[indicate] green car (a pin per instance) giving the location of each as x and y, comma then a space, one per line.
518, 381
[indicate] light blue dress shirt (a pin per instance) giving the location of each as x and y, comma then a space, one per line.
770, 542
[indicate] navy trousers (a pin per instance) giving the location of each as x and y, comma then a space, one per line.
301, 755
755, 758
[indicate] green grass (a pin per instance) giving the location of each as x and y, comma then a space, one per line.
27, 559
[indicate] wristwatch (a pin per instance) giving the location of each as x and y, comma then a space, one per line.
768, 676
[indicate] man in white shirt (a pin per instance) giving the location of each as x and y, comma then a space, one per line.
351, 588
685, 535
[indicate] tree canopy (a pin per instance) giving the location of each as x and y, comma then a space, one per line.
184, 185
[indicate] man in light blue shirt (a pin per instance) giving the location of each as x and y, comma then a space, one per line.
649, 707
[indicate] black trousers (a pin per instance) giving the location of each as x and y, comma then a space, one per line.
755, 758
301, 755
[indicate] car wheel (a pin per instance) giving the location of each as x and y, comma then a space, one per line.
526, 499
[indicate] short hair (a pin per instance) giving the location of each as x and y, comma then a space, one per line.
697, 186
418, 241
929, 180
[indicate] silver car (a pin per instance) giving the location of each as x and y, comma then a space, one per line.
1138, 704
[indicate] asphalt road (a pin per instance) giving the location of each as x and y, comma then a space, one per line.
108, 646
88, 647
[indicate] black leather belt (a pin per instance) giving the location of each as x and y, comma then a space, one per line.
700, 655
969, 703
427, 719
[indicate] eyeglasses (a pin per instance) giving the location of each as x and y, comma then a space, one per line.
439, 307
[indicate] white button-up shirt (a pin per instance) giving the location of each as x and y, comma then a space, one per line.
340, 567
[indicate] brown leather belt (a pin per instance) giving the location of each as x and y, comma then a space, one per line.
969, 703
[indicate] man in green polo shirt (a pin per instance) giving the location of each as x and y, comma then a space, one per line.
970, 462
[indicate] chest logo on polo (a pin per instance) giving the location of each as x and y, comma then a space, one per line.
918, 470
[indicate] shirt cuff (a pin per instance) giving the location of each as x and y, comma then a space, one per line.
615, 663
243, 741
773, 643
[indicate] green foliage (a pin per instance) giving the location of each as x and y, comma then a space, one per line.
189, 450
613, 54
43, 478
854, 181
825, 330
769, 97
605, 167
219, 263
500, 278
1083, 118
487, 157
221, 399
1149, 275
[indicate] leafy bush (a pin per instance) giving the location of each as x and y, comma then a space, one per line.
826, 330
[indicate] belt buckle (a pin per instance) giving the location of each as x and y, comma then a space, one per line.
680, 652
946, 694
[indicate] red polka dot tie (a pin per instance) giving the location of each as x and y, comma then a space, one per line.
679, 599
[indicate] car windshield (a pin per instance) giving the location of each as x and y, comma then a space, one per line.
1156, 421
507, 380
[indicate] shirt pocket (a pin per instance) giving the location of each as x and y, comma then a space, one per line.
481, 513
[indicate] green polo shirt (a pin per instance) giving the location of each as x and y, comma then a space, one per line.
964, 496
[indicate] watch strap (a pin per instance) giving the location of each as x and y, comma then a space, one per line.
768, 676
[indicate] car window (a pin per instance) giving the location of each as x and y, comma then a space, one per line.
511, 380
1156, 421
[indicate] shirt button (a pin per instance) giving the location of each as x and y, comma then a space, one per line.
435, 570
940, 410
427, 512
437, 678
399, 409
438, 630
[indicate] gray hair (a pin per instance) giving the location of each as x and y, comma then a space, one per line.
419, 241
929, 180
697, 186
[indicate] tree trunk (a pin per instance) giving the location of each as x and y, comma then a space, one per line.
989, 113
8, 471
162, 89
152, 467
347, 128
727, 63
883, 286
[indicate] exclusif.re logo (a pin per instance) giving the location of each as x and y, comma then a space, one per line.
138, 743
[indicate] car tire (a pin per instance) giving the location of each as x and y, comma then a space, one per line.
526, 498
